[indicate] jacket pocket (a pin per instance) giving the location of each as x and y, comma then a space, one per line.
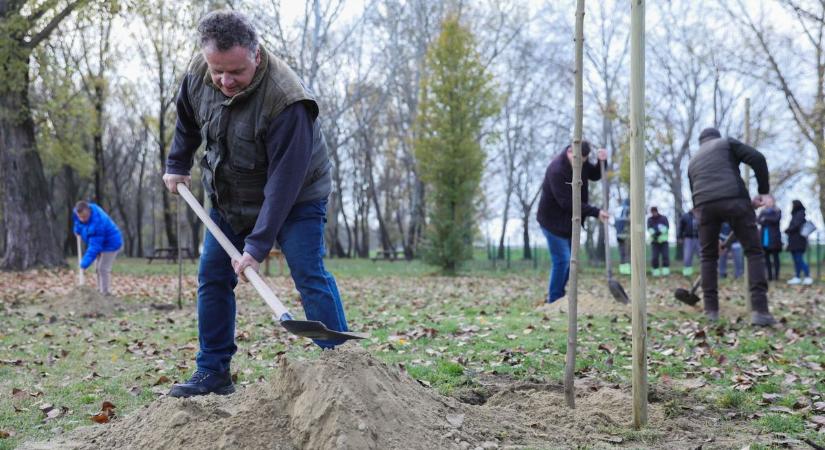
243, 153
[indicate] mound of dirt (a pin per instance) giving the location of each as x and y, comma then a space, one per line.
346, 399
83, 301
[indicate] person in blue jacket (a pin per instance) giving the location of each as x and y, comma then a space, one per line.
102, 238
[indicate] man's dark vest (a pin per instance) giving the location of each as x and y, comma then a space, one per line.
235, 162
714, 174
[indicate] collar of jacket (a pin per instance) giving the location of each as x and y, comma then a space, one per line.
260, 74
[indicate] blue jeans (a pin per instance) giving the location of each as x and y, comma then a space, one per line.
690, 248
735, 251
302, 241
560, 272
799, 264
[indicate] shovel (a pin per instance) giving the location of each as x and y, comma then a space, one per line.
614, 286
81, 277
312, 329
690, 297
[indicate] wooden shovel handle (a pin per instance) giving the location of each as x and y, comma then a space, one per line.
81, 277
263, 289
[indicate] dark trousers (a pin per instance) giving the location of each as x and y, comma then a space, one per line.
742, 219
661, 251
624, 254
772, 261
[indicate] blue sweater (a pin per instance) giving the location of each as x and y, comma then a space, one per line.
99, 233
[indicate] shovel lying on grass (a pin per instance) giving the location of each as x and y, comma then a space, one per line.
690, 297
312, 329
616, 289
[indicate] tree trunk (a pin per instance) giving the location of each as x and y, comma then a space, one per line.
30, 238
168, 215
100, 167
417, 215
139, 206
386, 243
69, 244
528, 249
504, 226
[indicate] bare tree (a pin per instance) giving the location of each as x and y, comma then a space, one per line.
30, 239
790, 58
165, 47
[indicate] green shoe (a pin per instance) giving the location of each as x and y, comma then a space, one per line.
657, 272
666, 271
687, 271
624, 269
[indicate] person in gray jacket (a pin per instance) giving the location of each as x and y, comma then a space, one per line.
720, 195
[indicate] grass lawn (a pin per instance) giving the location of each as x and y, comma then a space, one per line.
56, 368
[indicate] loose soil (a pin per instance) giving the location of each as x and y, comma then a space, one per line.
347, 399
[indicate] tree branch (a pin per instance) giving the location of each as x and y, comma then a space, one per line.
50, 27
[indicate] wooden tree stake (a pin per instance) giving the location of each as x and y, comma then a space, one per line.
637, 211
572, 307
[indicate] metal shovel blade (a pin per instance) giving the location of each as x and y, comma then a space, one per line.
314, 329
686, 297
618, 292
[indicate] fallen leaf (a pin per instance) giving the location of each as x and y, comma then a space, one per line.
782, 409
4, 434
100, 417
771, 398
57, 413
162, 380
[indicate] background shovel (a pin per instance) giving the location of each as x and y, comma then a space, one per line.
81, 277
690, 297
312, 329
616, 289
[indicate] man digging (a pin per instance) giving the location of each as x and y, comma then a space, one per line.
720, 195
267, 174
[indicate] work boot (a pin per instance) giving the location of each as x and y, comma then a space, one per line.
762, 319
687, 272
204, 383
712, 316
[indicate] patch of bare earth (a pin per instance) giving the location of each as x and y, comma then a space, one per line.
347, 399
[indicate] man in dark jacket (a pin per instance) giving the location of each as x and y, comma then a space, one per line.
622, 225
720, 195
658, 227
267, 174
798, 245
555, 211
771, 236
689, 237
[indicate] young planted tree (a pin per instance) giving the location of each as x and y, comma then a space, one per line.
456, 99
29, 231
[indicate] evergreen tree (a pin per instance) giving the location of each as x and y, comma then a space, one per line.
456, 98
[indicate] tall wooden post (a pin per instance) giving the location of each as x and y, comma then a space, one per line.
572, 299
747, 276
637, 210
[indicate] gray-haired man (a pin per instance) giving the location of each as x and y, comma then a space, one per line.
267, 173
